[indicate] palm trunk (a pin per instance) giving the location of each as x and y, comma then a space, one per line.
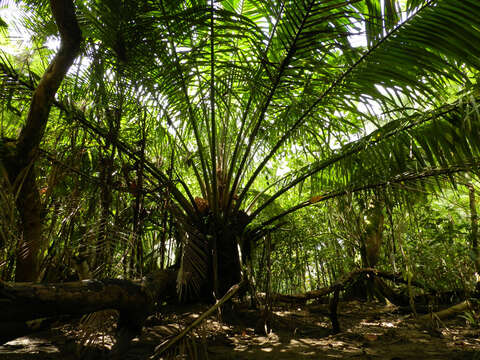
211, 260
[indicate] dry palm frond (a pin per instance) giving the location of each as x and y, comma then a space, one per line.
191, 347
96, 329
194, 266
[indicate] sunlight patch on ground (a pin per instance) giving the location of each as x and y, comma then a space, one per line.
27, 345
388, 324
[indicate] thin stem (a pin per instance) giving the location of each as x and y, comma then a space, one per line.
213, 145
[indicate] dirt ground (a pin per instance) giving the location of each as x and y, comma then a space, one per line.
369, 331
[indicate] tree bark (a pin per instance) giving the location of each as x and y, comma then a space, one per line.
447, 313
136, 258
21, 302
474, 227
29, 206
372, 237
64, 14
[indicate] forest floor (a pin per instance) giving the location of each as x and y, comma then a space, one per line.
369, 331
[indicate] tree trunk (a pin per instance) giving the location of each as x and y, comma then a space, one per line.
20, 164
371, 242
136, 258
103, 246
30, 209
228, 262
474, 227
211, 263
134, 300
372, 236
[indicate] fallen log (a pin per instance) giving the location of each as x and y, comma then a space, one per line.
134, 300
342, 284
447, 313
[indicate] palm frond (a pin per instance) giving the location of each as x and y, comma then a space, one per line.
439, 142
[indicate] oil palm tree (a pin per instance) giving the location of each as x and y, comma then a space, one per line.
237, 85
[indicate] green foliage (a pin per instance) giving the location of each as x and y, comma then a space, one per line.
262, 107
471, 318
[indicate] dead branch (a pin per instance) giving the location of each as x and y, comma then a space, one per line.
447, 313
167, 344
342, 284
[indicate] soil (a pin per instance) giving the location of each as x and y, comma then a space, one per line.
369, 331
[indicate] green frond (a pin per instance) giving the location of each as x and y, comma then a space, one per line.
423, 57
432, 144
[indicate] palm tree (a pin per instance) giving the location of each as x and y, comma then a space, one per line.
237, 85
